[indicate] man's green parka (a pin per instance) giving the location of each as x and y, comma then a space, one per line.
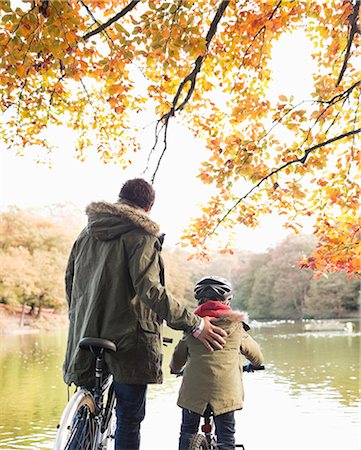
115, 290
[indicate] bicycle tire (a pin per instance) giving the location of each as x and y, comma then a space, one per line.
198, 442
77, 429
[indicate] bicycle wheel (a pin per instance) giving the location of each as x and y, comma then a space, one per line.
198, 442
78, 428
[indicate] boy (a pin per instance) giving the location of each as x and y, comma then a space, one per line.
214, 379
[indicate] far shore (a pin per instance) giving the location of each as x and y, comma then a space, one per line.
12, 322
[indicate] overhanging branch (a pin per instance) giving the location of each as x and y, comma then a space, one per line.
197, 66
301, 160
190, 79
353, 30
93, 18
114, 19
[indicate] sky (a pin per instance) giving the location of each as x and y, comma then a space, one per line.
179, 193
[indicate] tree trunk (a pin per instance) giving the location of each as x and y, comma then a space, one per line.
21, 323
41, 298
32, 309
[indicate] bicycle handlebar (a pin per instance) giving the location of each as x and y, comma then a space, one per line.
251, 368
246, 368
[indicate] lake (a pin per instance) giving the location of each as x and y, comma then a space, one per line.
308, 398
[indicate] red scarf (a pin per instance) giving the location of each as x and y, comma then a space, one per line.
212, 308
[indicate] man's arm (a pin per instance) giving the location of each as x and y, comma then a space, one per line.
144, 269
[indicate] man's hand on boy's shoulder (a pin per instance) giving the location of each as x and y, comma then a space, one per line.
212, 336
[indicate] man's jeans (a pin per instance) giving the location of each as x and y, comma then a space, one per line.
130, 411
225, 429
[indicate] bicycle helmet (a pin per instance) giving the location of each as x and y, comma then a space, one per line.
213, 288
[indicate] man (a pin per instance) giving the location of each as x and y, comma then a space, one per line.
115, 290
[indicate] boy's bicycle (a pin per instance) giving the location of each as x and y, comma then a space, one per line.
87, 422
207, 439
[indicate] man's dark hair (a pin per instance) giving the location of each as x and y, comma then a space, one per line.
139, 192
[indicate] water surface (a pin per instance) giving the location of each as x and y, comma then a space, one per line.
308, 398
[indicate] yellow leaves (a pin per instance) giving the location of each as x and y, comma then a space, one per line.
324, 32
197, 47
162, 109
7, 18
338, 247
121, 29
116, 88
20, 70
232, 139
148, 54
206, 178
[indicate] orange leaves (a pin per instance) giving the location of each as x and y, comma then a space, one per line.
206, 178
257, 139
338, 248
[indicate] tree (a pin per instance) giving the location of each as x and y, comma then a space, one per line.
261, 299
178, 276
244, 279
270, 285
291, 286
333, 297
206, 63
33, 252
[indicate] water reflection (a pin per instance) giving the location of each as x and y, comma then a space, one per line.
32, 386
308, 398
314, 360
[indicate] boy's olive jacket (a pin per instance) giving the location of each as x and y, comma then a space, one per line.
115, 290
215, 378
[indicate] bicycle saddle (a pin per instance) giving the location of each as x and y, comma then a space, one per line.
89, 343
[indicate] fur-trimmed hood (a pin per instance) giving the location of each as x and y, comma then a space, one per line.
107, 221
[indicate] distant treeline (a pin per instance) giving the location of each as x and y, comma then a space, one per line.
34, 248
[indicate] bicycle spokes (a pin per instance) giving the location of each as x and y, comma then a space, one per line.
83, 431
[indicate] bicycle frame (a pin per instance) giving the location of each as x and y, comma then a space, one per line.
86, 410
208, 430
86, 422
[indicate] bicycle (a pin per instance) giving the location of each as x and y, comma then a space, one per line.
88, 420
206, 440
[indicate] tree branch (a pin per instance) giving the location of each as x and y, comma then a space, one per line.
197, 66
165, 145
122, 13
353, 30
337, 98
301, 160
191, 77
93, 18
18, 25
262, 29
